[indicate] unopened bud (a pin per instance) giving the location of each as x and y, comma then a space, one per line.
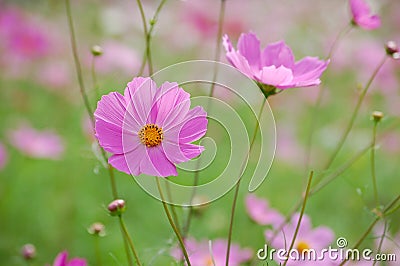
97, 229
97, 50
377, 116
392, 50
28, 251
116, 207
200, 203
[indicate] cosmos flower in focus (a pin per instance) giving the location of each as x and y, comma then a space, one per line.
199, 253
62, 260
307, 238
362, 16
148, 129
274, 67
37, 144
261, 213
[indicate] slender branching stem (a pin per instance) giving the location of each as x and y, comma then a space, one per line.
237, 186
171, 222
301, 214
129, 239
373, 172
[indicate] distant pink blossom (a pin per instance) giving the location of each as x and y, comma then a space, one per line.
307, 238
148, 129
3, 156
62, 260
362, 15
35, 143
199, 253
275, 65
259, 211
117, 57
22, 37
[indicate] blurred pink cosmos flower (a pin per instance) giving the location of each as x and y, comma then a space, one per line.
307, 238
62, 260
3, 156
362, 15
199, 253
275, 65
38, 144
261, 213
148, 130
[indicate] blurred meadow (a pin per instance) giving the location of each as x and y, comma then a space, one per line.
53, 185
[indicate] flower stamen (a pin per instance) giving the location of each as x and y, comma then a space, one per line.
151, 135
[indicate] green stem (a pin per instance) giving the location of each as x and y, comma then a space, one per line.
381, 241
371, 226
237, 186
301, 215
94, 77
129, 239
340, 35
171, 222
354, 115
112, 181
373, 172
221, 18
97, 250
174, 215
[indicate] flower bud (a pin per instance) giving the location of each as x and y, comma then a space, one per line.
392, 50
377, 116
97, 50
97, 229
116, 207
28, 251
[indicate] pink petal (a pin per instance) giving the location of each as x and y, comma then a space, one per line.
183, 152
359, 8
249, 46
277, 54
171, 104
278, 77
139, 95
61, 259
129, 162
156, 163
236, 59
321, 237
77, 262
260, 212
307, 71
369, 23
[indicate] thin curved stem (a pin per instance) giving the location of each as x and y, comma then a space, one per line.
129, 239
373, 171
94, 77
339, 37
301, 214
237, 186
171, 222
221, 19
97, 250
355, 113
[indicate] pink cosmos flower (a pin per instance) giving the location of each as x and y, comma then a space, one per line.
3, 156
261, 213
362, 15
37, 144
149, 130
307, 238
275, 65
199, 253
62, 260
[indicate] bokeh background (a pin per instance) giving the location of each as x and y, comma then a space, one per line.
53, 186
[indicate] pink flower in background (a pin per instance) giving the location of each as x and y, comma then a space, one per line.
261, 213
3, 156
199, 253
362, 15
117, 57
275, 65
37, 144
62, 260
149, 130
307, 238
22, 37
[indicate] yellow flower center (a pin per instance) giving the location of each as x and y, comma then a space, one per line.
151, 135
302, 246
